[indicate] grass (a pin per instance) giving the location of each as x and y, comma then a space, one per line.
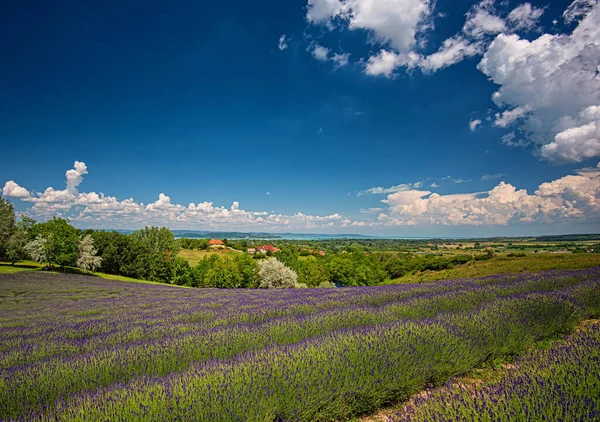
195, 255
7, 268
503, 264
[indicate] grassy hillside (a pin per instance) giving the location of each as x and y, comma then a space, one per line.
504, 264
195, 255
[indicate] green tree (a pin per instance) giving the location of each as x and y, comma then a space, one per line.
247, 268
62, 240
182, 274
7, 225
16, 246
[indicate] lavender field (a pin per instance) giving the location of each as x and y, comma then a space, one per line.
84, 348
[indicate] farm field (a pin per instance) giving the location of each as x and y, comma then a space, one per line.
85, 348
194, 256
503, 264
561, 383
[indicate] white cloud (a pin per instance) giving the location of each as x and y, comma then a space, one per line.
391, 22
97, 210
75, 176
319, 11
452, 51
383, 64
524, 17
13, 190
322, 54
340, 60
570, 197
473, 124
508, 117
554, 78
482, 21
378, 190
577, 10
492, 176
434, 185
282, 43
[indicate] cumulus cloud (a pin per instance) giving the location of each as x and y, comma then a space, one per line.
481, 20
320, 53
11, 189
550, 85
473, 124
570, 197
481, 23
392, 22
102, 211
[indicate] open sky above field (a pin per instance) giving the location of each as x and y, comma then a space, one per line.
397, 117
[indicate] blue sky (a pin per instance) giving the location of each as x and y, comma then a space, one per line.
288, 115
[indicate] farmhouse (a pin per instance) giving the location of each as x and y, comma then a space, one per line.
216, 243
267, 248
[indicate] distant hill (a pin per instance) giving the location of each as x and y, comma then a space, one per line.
200, 234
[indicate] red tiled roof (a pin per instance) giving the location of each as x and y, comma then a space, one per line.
216, 242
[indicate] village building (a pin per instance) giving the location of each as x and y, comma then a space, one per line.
216, 243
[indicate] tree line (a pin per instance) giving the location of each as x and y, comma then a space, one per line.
152, 254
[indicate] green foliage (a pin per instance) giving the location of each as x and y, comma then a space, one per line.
62, 240
7, 224
16, 245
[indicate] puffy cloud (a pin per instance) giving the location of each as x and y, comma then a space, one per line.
550, 83
13, 190
481, 20
508, 117
393, 22
382, 64
75, 176
322, 54
479, 25
101, 211
282, 45
319, 11
573, 196
473, 124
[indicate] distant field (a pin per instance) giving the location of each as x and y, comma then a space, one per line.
76, 348
503, 264
195, 255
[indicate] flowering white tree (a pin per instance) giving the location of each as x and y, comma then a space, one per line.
273, 274
87, 259
37, 250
